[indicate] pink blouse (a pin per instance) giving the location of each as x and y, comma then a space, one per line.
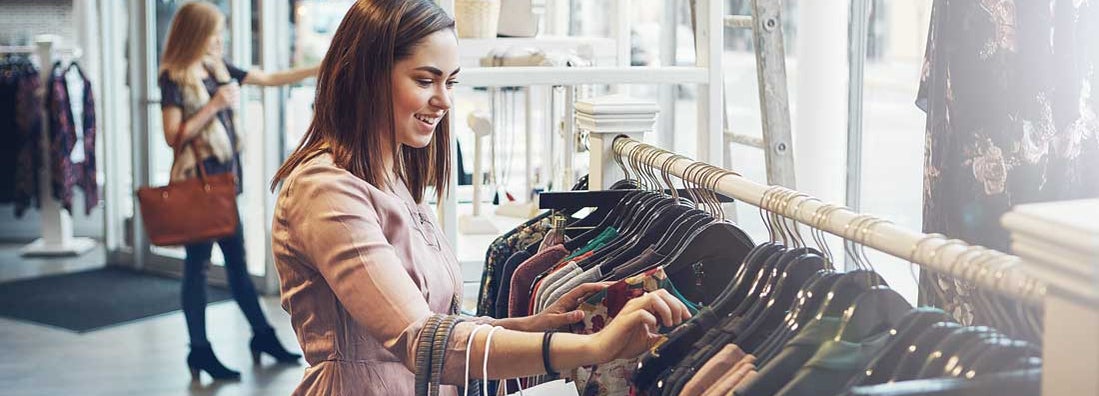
361, 270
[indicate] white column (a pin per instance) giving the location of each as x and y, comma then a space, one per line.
603, 169
709, 33
820, 116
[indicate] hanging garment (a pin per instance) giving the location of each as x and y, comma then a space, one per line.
599, 309
711, 372
28, 129
522, 280
794, 355
1010, 91
66, 169
11, 139
504, 293
730, 380
499, 251
834, 364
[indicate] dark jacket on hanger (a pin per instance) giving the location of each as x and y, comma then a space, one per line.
64, 174
28, 128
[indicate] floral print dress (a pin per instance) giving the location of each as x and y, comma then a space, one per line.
614, 378
1011, 91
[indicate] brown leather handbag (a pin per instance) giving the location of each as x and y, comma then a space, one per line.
192, 210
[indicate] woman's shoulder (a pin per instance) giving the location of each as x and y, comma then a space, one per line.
321, 175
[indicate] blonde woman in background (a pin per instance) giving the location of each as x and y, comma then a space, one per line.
198, 92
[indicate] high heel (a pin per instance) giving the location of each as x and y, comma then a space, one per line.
202, 359
265, 342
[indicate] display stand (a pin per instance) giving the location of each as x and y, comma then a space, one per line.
1068, 232
57, 228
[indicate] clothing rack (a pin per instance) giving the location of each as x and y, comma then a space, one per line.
57, 229
1067, 311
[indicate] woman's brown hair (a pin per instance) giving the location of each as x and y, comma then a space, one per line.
353, 113
192, 26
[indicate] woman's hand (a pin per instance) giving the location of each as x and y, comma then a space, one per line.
563, 312
635, 329
226, 96
560, 314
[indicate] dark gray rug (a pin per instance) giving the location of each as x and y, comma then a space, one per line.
91, 300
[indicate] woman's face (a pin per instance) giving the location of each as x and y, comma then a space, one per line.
214, 45
422, 86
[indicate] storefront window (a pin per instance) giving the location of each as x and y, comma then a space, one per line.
893, 127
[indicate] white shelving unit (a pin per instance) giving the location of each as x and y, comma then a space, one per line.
706, 73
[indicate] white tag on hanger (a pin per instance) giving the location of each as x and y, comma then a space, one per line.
552, 388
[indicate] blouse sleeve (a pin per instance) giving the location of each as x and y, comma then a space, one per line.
235, 72
338, 230
169, 92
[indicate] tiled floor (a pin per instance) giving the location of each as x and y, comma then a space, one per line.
146, 357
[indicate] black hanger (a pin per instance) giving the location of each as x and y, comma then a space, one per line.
956, 364
796, 276
674, 238
767, 267
778, 266
935, 360
810, 299
681, 341
751, 269
1002, 356
608, 219
659, 225
628, 237
725, 331
881, 367
713, 241
873, 312
709, 344
846, 290
916, 353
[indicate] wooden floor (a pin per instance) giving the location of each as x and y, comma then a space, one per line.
146, 357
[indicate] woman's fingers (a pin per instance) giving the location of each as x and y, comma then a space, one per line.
582, 292
660, 307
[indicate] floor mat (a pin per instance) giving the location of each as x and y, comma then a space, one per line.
90, 300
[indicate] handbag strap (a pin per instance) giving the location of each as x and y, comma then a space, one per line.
178, 149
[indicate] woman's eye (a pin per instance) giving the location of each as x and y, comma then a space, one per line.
451, 83
424, 83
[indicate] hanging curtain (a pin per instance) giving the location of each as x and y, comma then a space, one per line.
1010, 90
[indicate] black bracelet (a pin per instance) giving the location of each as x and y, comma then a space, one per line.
546, 337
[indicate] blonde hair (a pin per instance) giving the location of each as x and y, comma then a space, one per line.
192, 26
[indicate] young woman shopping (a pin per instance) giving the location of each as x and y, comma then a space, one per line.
371, 284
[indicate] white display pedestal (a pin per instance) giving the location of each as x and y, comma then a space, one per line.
57, 230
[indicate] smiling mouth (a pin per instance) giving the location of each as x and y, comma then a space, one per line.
429, 120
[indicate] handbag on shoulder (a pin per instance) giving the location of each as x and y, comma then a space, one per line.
193, 210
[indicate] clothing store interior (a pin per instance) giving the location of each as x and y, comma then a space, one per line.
841, 212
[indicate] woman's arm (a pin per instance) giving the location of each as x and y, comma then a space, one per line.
633, 331
172, 116
339, 233
273, 79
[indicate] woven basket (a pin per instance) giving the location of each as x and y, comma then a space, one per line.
477, 18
